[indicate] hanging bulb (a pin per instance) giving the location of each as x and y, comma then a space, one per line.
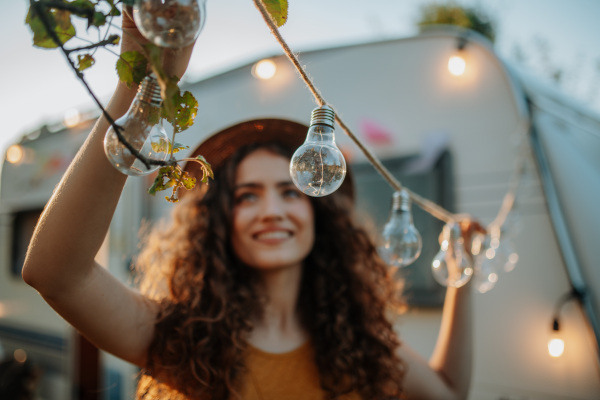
451, 265
485, 270
457, 65
142, 128
318, 167
506, 257
402, 242
170, 23
556, 344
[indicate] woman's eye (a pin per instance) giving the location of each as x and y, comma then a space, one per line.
291, 193
245, 197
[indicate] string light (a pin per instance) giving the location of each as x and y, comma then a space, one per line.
432, 208
170, 23
142, 128
485, 268
457, 63
15, 154
264, 69
318, 167
451, 266
556, 344
401, 242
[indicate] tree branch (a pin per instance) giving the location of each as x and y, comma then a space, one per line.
108, 41
40, 7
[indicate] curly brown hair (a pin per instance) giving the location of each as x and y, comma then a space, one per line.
209, 298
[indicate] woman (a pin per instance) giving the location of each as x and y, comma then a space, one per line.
256, 292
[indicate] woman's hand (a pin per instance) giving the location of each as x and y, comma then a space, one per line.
175, 61
470, 229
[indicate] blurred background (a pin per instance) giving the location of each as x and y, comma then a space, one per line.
530, 96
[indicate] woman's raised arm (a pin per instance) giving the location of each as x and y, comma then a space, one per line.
60, 259
447, 375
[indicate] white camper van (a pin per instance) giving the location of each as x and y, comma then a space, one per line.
454, 137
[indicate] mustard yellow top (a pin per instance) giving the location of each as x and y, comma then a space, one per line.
284, 376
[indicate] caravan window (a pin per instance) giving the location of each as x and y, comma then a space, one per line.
23, 226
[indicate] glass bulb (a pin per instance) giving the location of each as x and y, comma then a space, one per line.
451, 265
506, 257
402, 242
142, 128
170, 23
486, 269
318, 167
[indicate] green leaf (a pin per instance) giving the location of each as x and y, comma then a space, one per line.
278, 9
84, 61
59, 21
115, 39
128, 2
98, 19
169, 91
164, 146
207, 171
172, 177
131, 67
185, 110
114, 11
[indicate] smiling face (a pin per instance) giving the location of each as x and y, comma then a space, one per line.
273, 222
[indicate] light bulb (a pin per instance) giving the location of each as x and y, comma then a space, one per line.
264, 69
556, 345
506, 257
15, 154
402, 243
486, 269
170, 23
457, 65
451, 265
142, 128
318, 167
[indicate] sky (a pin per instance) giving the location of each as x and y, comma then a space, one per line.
37, 86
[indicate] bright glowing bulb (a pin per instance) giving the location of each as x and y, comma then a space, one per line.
556, 347
170, 23
20, 355
318, 167
142, 128
15, 154
71, 118
402, 242
457, 65
451, 265
264, 69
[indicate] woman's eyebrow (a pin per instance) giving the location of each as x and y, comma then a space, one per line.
248, 185
285, 183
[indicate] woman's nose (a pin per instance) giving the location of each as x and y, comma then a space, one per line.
272, 206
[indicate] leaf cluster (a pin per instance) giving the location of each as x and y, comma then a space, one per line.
454, 14
173, 177
51, 22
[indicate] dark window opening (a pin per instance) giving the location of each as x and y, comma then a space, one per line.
23, 226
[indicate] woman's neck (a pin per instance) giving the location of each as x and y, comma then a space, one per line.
279, 328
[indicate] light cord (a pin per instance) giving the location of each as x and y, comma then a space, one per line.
508, 201
427, 205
